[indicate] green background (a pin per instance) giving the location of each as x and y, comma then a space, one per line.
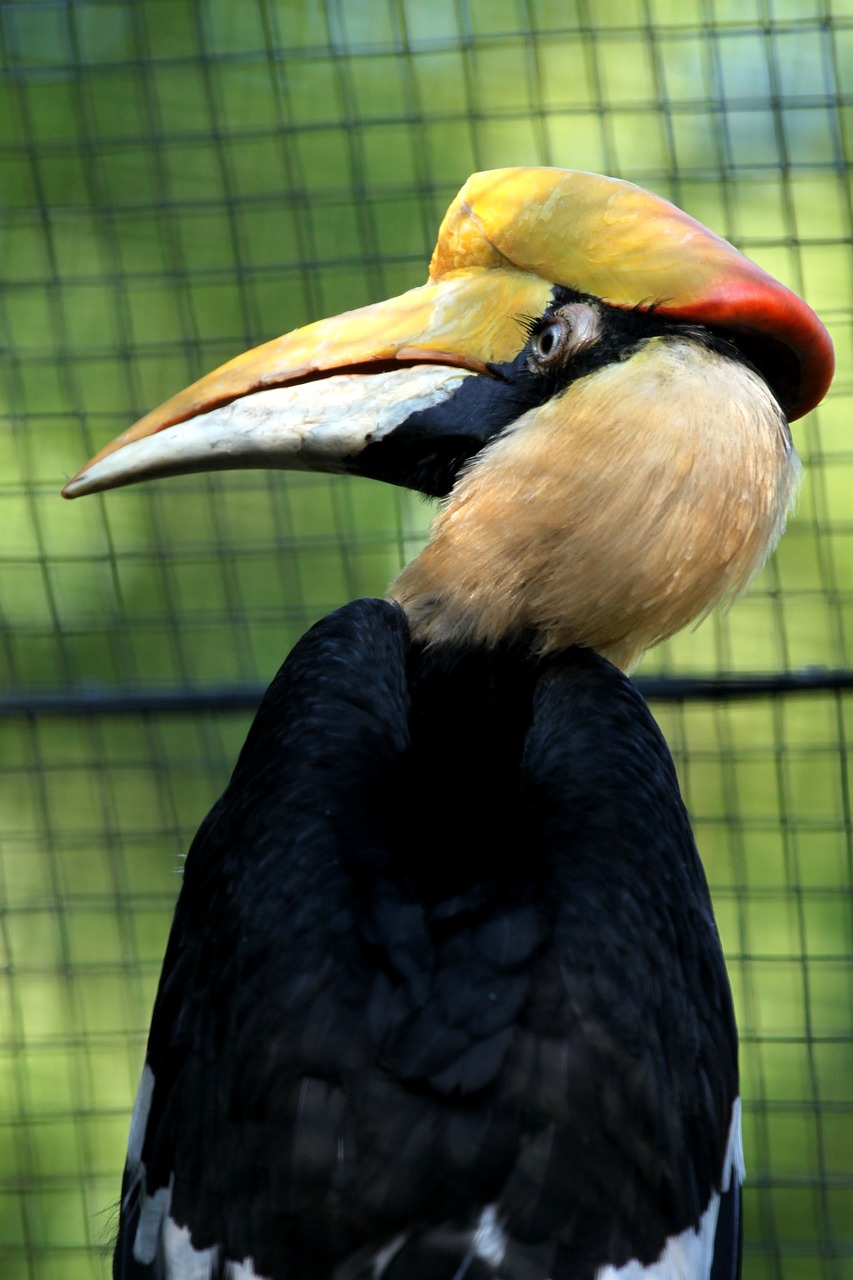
180, 179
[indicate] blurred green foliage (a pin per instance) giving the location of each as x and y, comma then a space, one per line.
181, 178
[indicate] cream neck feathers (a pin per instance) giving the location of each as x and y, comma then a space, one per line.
615, 514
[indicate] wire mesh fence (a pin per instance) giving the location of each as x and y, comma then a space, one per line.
182, 178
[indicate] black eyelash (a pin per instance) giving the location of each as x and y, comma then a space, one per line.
530, 325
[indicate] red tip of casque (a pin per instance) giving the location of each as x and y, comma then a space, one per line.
785, 339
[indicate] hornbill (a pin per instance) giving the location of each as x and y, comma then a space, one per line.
444, 996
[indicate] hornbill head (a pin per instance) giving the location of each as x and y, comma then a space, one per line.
597, 386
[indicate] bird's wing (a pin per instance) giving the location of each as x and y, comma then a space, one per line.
248, 1040
651, 1142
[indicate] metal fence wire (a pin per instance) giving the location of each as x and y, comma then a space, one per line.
181, 178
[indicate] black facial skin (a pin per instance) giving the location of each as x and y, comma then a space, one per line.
427, 451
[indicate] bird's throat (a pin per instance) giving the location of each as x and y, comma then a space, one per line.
615, 514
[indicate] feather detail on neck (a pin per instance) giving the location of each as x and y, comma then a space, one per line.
615, 514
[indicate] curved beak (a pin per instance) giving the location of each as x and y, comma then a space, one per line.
322, 396
316, 398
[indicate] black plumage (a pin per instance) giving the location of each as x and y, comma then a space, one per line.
444, 943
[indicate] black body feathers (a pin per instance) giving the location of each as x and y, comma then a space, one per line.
445, 943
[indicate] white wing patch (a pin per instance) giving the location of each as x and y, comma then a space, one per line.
182, 1260
186, 1263
489, 1242
152, 1215
689, 1255
153, 1210
157, 1234
139, 1120
734, 1165
244, 1270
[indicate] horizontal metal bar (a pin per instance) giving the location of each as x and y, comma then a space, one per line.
723, 688
159, 700
156, 700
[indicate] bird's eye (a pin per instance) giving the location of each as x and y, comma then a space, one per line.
549, 342
563, 335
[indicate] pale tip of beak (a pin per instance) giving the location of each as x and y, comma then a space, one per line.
108, 473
